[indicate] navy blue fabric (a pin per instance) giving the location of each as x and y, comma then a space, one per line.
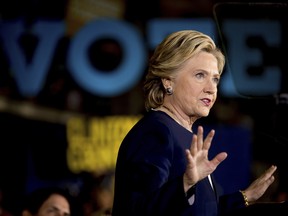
149, 173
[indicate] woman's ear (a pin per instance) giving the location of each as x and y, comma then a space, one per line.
26, 213
166, 82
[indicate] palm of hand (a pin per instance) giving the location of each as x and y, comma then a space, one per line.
198, 164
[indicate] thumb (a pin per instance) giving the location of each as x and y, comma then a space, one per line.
219, 158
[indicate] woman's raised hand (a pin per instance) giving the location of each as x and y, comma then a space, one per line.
198, 164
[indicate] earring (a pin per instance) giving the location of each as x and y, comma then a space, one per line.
169, 90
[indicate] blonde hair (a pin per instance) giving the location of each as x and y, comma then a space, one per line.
169, 56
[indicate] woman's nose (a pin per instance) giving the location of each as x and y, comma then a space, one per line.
210, 87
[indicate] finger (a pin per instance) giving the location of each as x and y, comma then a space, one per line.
219, 158
190, 161
208, 140
200, 137
269, 172
189, 158
272, 169
193, 147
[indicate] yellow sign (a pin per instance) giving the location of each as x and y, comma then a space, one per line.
93, 143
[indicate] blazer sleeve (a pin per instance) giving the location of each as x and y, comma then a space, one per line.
230, 203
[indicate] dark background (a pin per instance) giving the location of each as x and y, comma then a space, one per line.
21, 136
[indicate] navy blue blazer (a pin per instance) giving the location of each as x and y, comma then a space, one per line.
149, 174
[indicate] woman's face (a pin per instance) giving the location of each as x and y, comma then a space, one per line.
55, 205
195, 86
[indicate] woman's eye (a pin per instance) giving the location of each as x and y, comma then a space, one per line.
52, 209
216, 80
199, 75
